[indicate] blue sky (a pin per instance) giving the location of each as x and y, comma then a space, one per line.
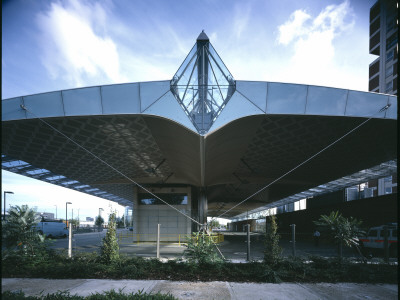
54, 45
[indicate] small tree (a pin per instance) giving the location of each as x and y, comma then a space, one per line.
110, 248
342, 230
272, 251
120, 222
99, 222
19, 230
213, 223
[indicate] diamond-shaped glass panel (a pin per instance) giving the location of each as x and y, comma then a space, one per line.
203, 85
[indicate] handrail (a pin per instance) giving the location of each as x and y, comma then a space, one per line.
140, 238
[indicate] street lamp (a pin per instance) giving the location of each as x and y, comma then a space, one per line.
56, 211
6, 192
66, 213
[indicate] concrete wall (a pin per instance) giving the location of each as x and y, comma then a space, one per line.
173, 223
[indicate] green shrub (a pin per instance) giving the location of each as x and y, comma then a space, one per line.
201, 249
110, 248
272, 253
344, 231
19, 230
315, 269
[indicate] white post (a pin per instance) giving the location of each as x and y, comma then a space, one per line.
70, 241
248, 242
293, 239
158, 240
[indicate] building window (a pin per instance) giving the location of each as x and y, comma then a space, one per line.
373, 27
389, 55
391, 41
390, 23
389, 71
388, 190
388, 184
172, 199
374, 11
389, 87
373, 83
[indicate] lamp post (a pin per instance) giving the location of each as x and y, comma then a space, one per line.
6, 192
56, 211
66, 213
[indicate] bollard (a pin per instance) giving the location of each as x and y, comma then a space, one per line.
70, 241
248, 242
293, 239
386, 244
158, 240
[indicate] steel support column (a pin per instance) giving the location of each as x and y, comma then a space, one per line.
202, 205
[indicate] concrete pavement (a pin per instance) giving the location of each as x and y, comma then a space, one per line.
206, 290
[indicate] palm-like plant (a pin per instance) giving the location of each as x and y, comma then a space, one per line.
342, 230
19, 230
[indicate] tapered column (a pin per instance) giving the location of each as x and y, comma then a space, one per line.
135, 212
203, 206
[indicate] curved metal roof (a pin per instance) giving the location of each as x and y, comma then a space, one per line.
155, 98
151, 133
265, 129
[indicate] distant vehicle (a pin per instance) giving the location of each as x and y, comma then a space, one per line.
52, 228
375, 238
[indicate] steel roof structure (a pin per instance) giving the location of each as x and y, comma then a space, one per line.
203, 129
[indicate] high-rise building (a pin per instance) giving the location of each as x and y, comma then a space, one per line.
383, 42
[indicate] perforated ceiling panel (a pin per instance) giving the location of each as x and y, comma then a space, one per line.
240, 157
276, 144
125, 143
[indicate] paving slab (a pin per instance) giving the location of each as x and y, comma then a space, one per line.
194, 290
257, 291
353, 291
38, 286
93, 286
206, 290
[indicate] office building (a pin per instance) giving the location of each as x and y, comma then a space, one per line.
383, 42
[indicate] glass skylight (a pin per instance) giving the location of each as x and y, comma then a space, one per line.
203, 85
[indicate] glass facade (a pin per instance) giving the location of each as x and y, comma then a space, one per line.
203, 85
172, 199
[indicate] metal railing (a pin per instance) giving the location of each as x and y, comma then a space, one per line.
127, 238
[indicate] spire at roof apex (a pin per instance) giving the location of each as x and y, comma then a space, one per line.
203, 36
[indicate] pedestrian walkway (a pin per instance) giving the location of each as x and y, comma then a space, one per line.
206, 290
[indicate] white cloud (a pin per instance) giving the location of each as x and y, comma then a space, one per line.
294, 27
313, 58
76, 46
332, 19
241, 18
